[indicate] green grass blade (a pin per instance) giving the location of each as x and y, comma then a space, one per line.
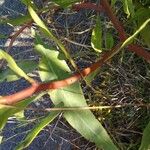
13, 66
36, 130
145, 144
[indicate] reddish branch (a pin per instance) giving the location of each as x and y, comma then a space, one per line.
118, 26
14, 36
88, 5
38, 87
122, 34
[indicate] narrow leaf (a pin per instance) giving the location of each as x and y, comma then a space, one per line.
109, 41
9, 75
38, 128
141, 15
84, 122
13, 66
49, 34
6, 111
145, 144
128, 7
131, 38
20, 20
96, 39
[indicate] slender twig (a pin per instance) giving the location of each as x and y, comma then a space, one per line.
14, 36
75, 43
82, 108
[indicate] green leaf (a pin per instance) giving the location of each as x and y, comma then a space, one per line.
96, 39
145, 144
83, 121
128, 7
49, 34
20, 115
145, 35
65, 3
131, 38
50, 59
38, 128
113, 2
28, 66
8, 111
20, 20
25, 2
109, 41
141, 15
13, 66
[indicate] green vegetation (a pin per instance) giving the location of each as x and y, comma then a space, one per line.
122, 84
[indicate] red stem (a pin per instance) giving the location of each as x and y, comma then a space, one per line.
118, 26
38, 87
122, 34
88, 5
13, 37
